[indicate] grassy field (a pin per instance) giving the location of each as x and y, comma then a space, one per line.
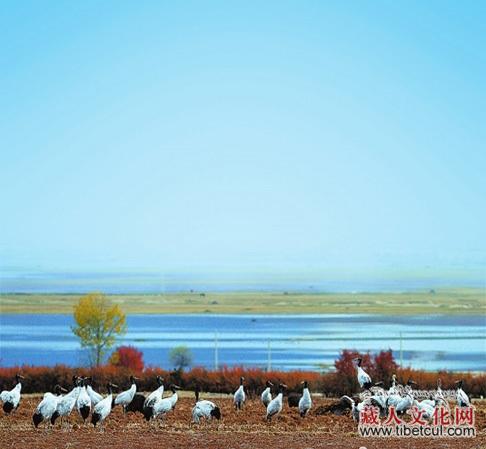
452, 301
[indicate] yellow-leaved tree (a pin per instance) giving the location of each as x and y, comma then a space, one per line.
98, 323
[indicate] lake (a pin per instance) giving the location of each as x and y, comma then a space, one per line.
456, 343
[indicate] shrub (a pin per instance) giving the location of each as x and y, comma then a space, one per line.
40, 379
180, 357
127, 357
383, 367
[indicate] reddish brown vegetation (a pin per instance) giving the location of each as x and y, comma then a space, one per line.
128, 357
343, 381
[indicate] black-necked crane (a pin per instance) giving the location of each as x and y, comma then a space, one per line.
363, 377
266, 396
103, 408
47, 406
276, 404
83, 403
239, 396
11, 398
305, 402
165, 405
125, 397
93, 395
462, 398
66, 404
153, 397
204, 409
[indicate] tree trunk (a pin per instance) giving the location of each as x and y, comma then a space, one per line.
98, 355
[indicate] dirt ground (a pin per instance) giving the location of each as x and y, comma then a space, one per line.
237, 430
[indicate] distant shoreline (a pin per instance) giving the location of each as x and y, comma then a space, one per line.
453, 301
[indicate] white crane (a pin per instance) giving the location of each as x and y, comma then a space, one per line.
461, 397
103, 408
239, 396
83, 402
276, 404
378, 397
394, 388
439, 395
47, 406
163, 406
437, 398
152, 398
11, 398
125, 397
204, 409
93, 395
266, 396
406, 401
305, 402
363, 378
397, 395
66, 404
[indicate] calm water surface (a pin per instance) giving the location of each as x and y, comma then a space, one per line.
288, 342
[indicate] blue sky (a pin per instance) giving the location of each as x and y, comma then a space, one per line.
228, 135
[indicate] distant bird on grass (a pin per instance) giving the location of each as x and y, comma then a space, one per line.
305, 402
461, 397
239, 397
266, 396
275, 406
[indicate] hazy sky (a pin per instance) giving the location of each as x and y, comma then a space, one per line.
242, 134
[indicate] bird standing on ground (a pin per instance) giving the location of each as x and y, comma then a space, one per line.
66, 404
125, 397
11, 399
461, 397
363, 378
152, 398
305, 402
204, 409
103, 408
83, 402
239, 397
439, 394
276, 404
394, 388
163, 406
47, 406
266, 396
405, 401
93, 395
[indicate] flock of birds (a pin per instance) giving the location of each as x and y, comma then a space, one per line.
60, 403
401, 398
